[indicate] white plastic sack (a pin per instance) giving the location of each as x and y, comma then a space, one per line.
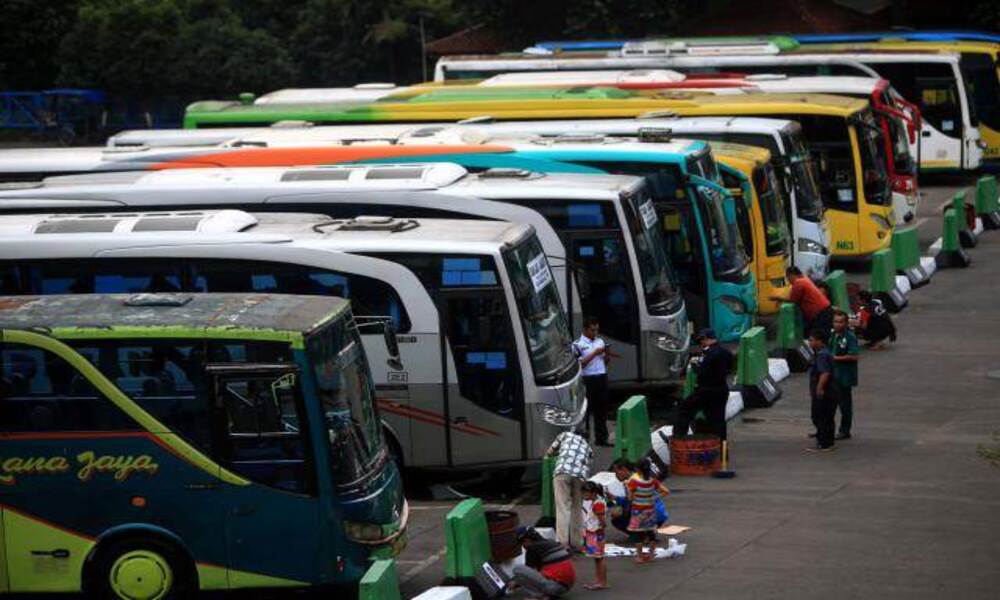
673, 548
660, 444
610, 483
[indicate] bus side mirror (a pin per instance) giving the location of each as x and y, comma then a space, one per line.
392, 346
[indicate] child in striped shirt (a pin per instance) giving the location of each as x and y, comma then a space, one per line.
642, 489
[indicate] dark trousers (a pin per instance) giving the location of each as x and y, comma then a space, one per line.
711, 401
845, 402
824, 412
597, 405
823, 322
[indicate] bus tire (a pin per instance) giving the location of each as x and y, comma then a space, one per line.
140, 568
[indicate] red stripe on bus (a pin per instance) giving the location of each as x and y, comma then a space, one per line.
290, 157
432, 418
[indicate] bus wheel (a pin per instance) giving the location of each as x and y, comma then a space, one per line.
140, 569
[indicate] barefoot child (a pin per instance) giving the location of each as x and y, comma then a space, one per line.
642, 491
594, 518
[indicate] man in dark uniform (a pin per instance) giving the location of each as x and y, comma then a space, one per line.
711, 391
823, 390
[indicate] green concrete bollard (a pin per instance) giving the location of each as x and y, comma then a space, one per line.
380, 582
752, 373
883, 275
987, 202
790, 343
467, 539
966, 237
883, 280
548, 492
690, 379
905, 248
837, 281
951, 254
906, 251
632, 430
790, 333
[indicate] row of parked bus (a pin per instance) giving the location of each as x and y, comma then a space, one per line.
472, 224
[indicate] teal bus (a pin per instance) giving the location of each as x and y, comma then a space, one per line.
155, 445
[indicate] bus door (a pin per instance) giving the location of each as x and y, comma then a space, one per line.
682, 241
600, 267
941, 109
262, 434
483, 388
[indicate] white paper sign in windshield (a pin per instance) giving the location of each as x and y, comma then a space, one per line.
648, 214
539, 271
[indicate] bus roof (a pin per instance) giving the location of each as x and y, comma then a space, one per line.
259, 316
264, 184
181, 228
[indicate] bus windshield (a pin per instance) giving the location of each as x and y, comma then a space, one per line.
544, 321
983, 85
873, 163
346, 392
725, 249
771, 199
657, 279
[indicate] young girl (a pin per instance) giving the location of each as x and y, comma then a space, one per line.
594, 515
642, 489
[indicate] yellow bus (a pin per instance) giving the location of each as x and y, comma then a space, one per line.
749, 175
978, 64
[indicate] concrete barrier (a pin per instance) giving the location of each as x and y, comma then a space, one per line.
380, 582
467, 541
790, 343
987, 202
445, 592
883, 280
951, 254
548, 518
752, 376
632, 430
906, 252
837, 282
966, 237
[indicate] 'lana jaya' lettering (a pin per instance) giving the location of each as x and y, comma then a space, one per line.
121, 467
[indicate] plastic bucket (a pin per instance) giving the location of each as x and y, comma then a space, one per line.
502, 526
698, 454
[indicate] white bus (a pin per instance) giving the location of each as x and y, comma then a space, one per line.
605, 265
487, 376
932, 81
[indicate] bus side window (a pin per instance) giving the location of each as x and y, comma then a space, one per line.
939, 104
479, 332
368, 296
131, 275
40, 391
264, 419
10, 279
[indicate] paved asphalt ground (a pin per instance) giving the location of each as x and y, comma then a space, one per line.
907, 509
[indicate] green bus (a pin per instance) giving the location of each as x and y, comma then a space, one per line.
154, 445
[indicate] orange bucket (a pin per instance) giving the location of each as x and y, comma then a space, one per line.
697, 454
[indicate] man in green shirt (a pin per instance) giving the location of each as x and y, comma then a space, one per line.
844, 346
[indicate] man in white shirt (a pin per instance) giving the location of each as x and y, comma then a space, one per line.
594, 353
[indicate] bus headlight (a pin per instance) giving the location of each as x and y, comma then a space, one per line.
554, 415
669, 344
734, 304
779, 282
881, 221
365, 533
808, 245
